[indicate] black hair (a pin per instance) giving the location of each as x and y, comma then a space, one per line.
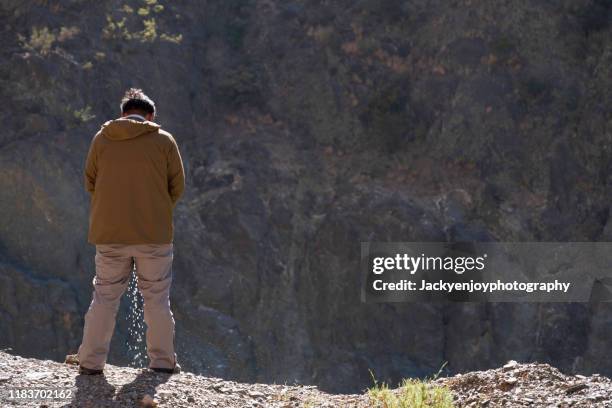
135, 99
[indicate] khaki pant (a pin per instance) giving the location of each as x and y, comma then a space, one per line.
113, 267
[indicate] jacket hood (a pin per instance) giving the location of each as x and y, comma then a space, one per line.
122, 128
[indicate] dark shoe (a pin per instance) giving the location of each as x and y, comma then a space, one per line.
72, 359
175, 370
89, 371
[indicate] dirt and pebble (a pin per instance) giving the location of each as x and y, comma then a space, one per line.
529, 385
132, 387
513, 385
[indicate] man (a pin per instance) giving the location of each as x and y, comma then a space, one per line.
134, 174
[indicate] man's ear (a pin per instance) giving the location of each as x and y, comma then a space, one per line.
150, 117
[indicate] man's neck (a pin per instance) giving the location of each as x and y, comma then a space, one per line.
135, 116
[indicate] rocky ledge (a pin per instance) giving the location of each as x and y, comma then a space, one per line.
131, 387
60, 385
528, 385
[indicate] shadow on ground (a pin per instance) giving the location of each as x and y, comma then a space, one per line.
96, 391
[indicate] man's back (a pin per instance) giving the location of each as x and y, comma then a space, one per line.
135, 175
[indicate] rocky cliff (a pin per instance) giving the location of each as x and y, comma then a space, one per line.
305, 128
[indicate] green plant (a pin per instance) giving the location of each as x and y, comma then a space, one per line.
84, 115
239, 85
412, 393
143, 11
149, 33
118, 28
172, 38
67, 33
41, 40
115, 28
232, 24
437, 375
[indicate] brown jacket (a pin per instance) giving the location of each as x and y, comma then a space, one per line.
134, 174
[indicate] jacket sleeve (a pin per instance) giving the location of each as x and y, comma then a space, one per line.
176, 173
91, 167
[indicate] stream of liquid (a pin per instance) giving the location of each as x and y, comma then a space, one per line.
136, 326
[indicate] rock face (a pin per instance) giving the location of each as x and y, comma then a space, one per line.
306, 128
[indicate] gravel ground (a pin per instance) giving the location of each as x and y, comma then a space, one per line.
128, 387
514, 385
529, 385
